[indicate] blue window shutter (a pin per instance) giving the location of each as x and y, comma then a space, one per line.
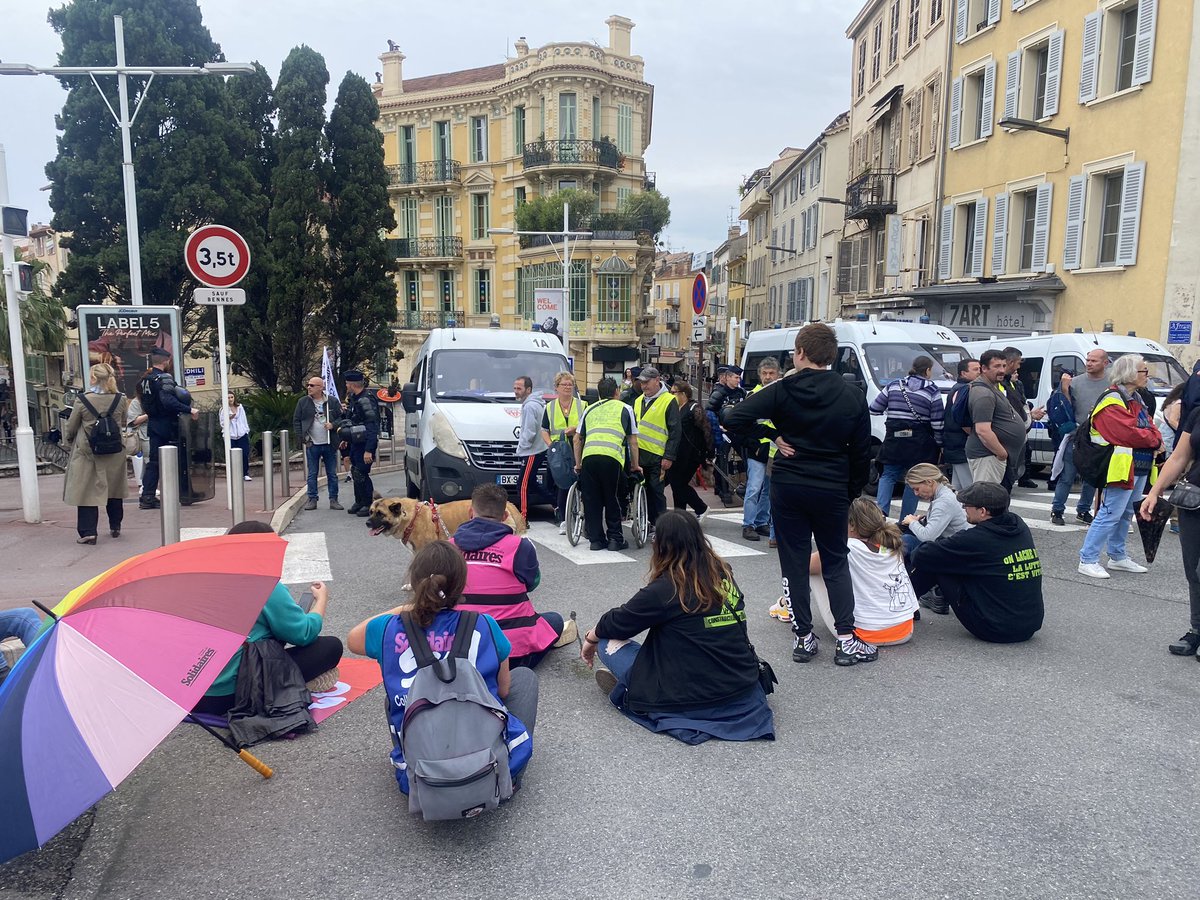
1073, 238
1054, 62
993, 12
988, 100
981, 210
1089, 68
945, 242
1012, 85
960, 20
1000, 235
956, 96
1131, 214
1143, 54
1017, 4
1041, 226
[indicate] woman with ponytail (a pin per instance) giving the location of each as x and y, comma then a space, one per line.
438, 575
945, 515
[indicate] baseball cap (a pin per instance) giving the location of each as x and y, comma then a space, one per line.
984, 494
353, 375
649, 372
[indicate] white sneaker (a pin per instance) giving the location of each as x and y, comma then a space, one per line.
1093, 570
562, 527
247, 478
1126, 565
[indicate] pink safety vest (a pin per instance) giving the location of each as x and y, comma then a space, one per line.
493, 588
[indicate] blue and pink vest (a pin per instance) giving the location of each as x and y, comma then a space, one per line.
493, 588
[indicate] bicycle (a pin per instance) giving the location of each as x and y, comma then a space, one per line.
639, 515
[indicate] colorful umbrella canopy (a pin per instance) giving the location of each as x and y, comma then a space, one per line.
131, 652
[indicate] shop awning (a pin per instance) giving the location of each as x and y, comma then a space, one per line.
615, 354
886, 103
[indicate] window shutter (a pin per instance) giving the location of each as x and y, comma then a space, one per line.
993, 11
956, 95
1000, 235
1143, 53
1089, 68
981, 208
1012, 85
989, 100
1131, 214
1041, 226
960, 20
843, 267
945, 242
1073, 242
815, 221
914, 127
1017, 4
1054, 61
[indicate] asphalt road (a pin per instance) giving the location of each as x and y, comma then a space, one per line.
949, 768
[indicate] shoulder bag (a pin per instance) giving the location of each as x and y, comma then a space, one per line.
908, 443
766, 675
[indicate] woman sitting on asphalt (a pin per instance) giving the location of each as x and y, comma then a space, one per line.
945, 515
696, 677
1120, 419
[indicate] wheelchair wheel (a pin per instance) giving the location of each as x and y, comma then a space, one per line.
574, 515
641, 517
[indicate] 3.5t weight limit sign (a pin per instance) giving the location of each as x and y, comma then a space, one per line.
217, 256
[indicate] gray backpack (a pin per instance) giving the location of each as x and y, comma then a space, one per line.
453, 731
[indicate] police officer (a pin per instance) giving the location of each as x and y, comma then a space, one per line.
361, 411
659, 430
604, 430
162, 407
728, 392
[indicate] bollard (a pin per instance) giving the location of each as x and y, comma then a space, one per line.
284, 460
168, 482
268, 458
236, 485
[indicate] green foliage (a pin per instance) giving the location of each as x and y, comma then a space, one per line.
647, 211
297, 279
545, 213
270, 410
643, 211
362, 291
43, 325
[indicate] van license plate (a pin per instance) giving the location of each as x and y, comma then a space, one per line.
507, 480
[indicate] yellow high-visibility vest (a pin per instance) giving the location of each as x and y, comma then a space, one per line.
605, 431
560, 423
652, 423
1120, 464
771, 453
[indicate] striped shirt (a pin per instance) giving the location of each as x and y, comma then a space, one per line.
911, 399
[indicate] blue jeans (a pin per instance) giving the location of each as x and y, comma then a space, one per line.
19, 623
911, 542
314, 454
756, 508
1112, 523
891, 475
620, 664
1066, 480
243, 443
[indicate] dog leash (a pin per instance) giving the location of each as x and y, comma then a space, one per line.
433, 514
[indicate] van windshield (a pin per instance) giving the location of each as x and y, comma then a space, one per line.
470, 375
889, 362
1165, 371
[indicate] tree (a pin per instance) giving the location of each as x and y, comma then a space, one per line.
43, 325
297, 279
646, 211
190, 156
545, 212
362, 291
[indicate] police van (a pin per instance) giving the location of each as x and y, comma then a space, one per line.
461, 418
1046, 356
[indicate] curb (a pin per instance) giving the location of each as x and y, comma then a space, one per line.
286, 512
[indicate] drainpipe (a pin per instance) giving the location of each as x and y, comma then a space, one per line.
943, 152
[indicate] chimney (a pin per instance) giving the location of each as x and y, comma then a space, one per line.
522, 46
735, 231
393, 73
619, 28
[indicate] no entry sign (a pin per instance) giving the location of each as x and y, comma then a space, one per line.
217, 256
700, 293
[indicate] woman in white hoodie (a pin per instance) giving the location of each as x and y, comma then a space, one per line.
945, 515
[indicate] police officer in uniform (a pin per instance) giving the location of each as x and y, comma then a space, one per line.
162, 406
600, 442
728, 392
659, 429
360, 409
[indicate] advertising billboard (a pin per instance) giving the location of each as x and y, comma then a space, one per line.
123, 337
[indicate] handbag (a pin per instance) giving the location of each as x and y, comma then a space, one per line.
1185, 495
766, 675
560, 459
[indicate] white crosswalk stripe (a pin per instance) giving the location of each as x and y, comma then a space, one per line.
305, 560
546, 535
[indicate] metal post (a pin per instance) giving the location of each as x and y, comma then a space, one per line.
168, 483
268, 458
284, 460
131, 216
237, 486
226, 416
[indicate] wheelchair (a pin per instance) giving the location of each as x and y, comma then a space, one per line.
633, 506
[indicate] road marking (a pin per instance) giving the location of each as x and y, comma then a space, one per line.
547, 535
729, 548
306, 558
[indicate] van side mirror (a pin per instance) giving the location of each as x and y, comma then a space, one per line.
590, 396
852, 379
409, 398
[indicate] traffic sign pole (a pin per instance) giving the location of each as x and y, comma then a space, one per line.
228, 441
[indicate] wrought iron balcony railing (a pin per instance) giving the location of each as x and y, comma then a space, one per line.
872, 195
426, 247
572, 153
423, 320
438, 171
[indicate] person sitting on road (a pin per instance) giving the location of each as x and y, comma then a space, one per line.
501, 569
945, 515
438, 576
23, 624
990, 575
696, 676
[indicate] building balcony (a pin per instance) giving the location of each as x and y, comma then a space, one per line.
672, 326
871, 196
424, 320
573, 154
649, 180
426, 249
425, 174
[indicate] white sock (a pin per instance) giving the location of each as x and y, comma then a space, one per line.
845, 637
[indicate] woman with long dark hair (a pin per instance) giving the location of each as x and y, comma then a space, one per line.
696, 676
695, 449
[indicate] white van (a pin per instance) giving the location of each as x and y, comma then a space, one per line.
461, 419
874, 353
1046, 356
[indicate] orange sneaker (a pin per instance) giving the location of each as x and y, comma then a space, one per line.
781, 609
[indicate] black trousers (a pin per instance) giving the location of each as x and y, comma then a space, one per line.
722, 479
656, 491
600, 485
88, 517
803, 515
360, 475
1189, 543
150, 472
680, 480
316, 659
968, 615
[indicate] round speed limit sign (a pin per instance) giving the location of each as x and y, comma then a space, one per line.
217, 256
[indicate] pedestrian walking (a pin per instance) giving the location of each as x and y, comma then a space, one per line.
1083, 393
315, 420
913, 431
160, 399
138, 446
1122, 422
531, 449
361, 441
605, 430
560, 421
998, 433
239, 435
695, 449
954, 431
657, 417
760, 451
93, 479
728, 392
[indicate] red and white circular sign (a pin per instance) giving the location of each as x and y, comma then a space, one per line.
217, 256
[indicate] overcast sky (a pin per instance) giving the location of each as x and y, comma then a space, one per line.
734, 83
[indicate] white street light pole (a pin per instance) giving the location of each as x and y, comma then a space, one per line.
125, 123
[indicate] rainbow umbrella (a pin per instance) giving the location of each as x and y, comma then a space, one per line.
126, 657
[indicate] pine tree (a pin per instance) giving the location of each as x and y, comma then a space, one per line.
362, 291
297, 279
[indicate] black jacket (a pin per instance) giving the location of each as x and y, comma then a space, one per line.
270, 699
722, 395
306, 411
361, 410
823, 418
954, 439
163, 408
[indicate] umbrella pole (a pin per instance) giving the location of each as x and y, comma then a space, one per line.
48, 612
245, 755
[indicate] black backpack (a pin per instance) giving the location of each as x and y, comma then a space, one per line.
106, 438
1091, 460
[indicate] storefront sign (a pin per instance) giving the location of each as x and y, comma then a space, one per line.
1005, 316
193, 377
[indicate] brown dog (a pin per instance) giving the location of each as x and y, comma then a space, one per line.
413, 521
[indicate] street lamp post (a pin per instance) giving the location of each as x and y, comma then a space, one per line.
125, 122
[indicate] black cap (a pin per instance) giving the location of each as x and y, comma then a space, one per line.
354, 375
984, 494
736, 370
160, 353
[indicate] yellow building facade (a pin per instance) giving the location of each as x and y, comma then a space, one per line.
671, 304
465, 149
